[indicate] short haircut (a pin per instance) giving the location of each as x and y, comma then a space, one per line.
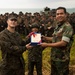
62, 8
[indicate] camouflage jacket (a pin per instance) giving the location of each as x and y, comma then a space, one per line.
12, 48
62, 32
35, 54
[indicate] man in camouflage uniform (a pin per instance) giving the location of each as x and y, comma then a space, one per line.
61, 44
35, 55
12, 47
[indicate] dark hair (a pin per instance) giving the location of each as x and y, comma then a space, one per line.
62, 8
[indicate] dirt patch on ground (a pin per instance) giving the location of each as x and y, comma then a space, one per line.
72, 70
46, 72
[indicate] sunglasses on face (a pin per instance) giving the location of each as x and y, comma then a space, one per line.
13, 19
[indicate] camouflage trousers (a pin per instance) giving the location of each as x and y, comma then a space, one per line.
59, 68
38, 66
12, 72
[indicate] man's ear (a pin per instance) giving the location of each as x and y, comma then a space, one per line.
7, 21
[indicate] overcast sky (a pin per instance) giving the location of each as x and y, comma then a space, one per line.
36, 3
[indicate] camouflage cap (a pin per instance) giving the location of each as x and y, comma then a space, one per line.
12, 17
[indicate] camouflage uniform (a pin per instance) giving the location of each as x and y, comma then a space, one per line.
35, 59
12, 48
60, 56
50, 31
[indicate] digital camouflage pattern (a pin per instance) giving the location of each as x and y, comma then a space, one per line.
35, 53
60, 56
35, 59
12, 47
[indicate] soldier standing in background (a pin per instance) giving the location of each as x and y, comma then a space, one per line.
35, 55
12, 47
61, 44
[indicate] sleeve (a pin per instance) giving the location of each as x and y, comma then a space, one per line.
67, 34
17, 49
9, 48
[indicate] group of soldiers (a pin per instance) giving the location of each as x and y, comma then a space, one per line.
46, 22
55, 29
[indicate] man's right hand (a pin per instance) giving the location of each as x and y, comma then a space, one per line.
28, 46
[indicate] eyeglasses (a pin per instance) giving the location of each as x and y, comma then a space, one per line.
13, 19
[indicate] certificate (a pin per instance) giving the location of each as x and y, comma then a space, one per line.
36, 38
